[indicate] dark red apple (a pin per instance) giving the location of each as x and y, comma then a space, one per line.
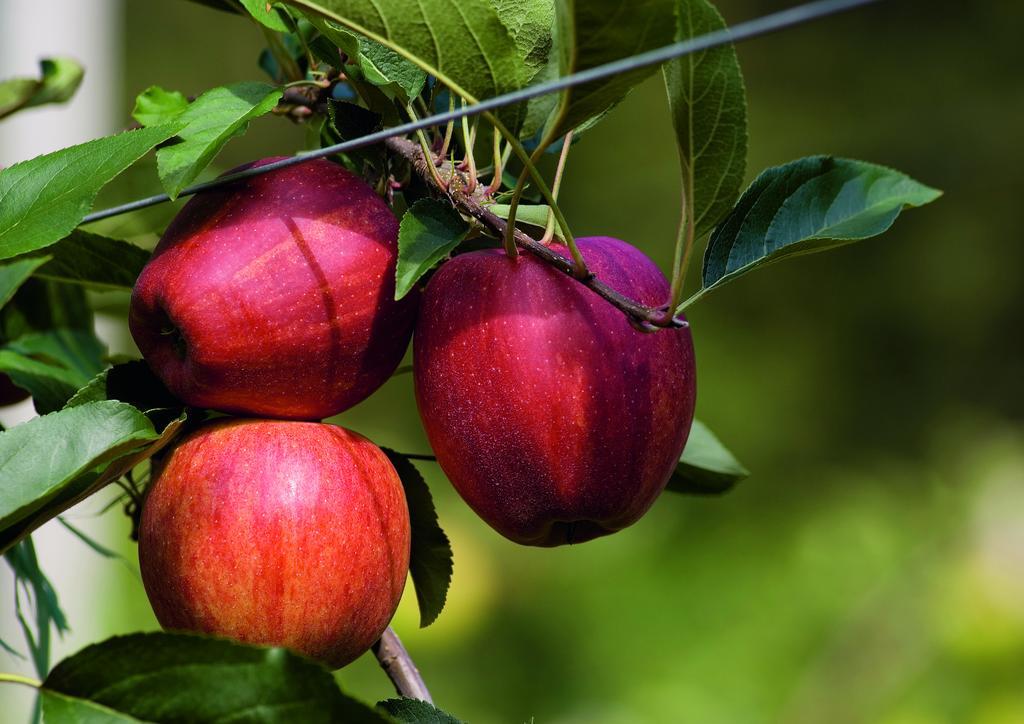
275, 296
554, 418
279, 533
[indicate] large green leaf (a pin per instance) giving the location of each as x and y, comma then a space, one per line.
94, 261
466, 44
709, 112
429, 231
42, 200
264, 12
209, 122
165, 677
430, 561
56, 457
595, 32
59, 79
706, 466
155, 105
809, 205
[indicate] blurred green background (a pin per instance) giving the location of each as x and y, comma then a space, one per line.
872, 567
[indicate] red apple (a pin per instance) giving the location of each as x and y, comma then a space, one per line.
275, 296
279, 533
554, 418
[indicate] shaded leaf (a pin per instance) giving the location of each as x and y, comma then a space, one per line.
415, 711
209, 122
58, 81
808, 205
16, 273
709, 112
429, 231
94, 261
530, 214
48, 614
430, 562
42, 200
706, 466
375, 63
165, 677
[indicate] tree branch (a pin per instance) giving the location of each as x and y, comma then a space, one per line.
399, 667
471, 203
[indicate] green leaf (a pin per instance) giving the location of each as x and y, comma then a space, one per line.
213, 119
48, 614
264, 13
530, 214
709, 112
94, 261
56, 457
155, 105
375, 63
429, 231
59, 79
430, 562
165, 677
595, 32
809, 205
415, 711
706, 466
49, 384
42, 200
464, 43
16, 273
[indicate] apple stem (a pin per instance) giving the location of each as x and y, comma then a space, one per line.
399, 667
646, 319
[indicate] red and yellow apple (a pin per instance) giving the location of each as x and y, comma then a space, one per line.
279, 533
553, 417
274, 296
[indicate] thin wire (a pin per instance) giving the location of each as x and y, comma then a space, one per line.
743, 31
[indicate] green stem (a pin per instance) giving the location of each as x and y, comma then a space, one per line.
549, 230
449, 130
499, 164
468, 138
684, 241
18, 679
426, 149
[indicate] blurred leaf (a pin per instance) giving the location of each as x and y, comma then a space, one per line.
594, 32
813, 204
430, 562
16, 273
429, 231
76, 350
415, 711
27, 573
263, 11
462, 41
709, 113
706, 466
41, 305
50, 385
155, 105
54, 458
209, 122
94, 261
97, 547
60, 78
165, 677
42, 200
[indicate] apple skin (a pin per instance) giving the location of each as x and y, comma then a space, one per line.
274, 297
555, 419
277, 533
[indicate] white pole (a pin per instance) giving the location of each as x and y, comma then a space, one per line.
90, 32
